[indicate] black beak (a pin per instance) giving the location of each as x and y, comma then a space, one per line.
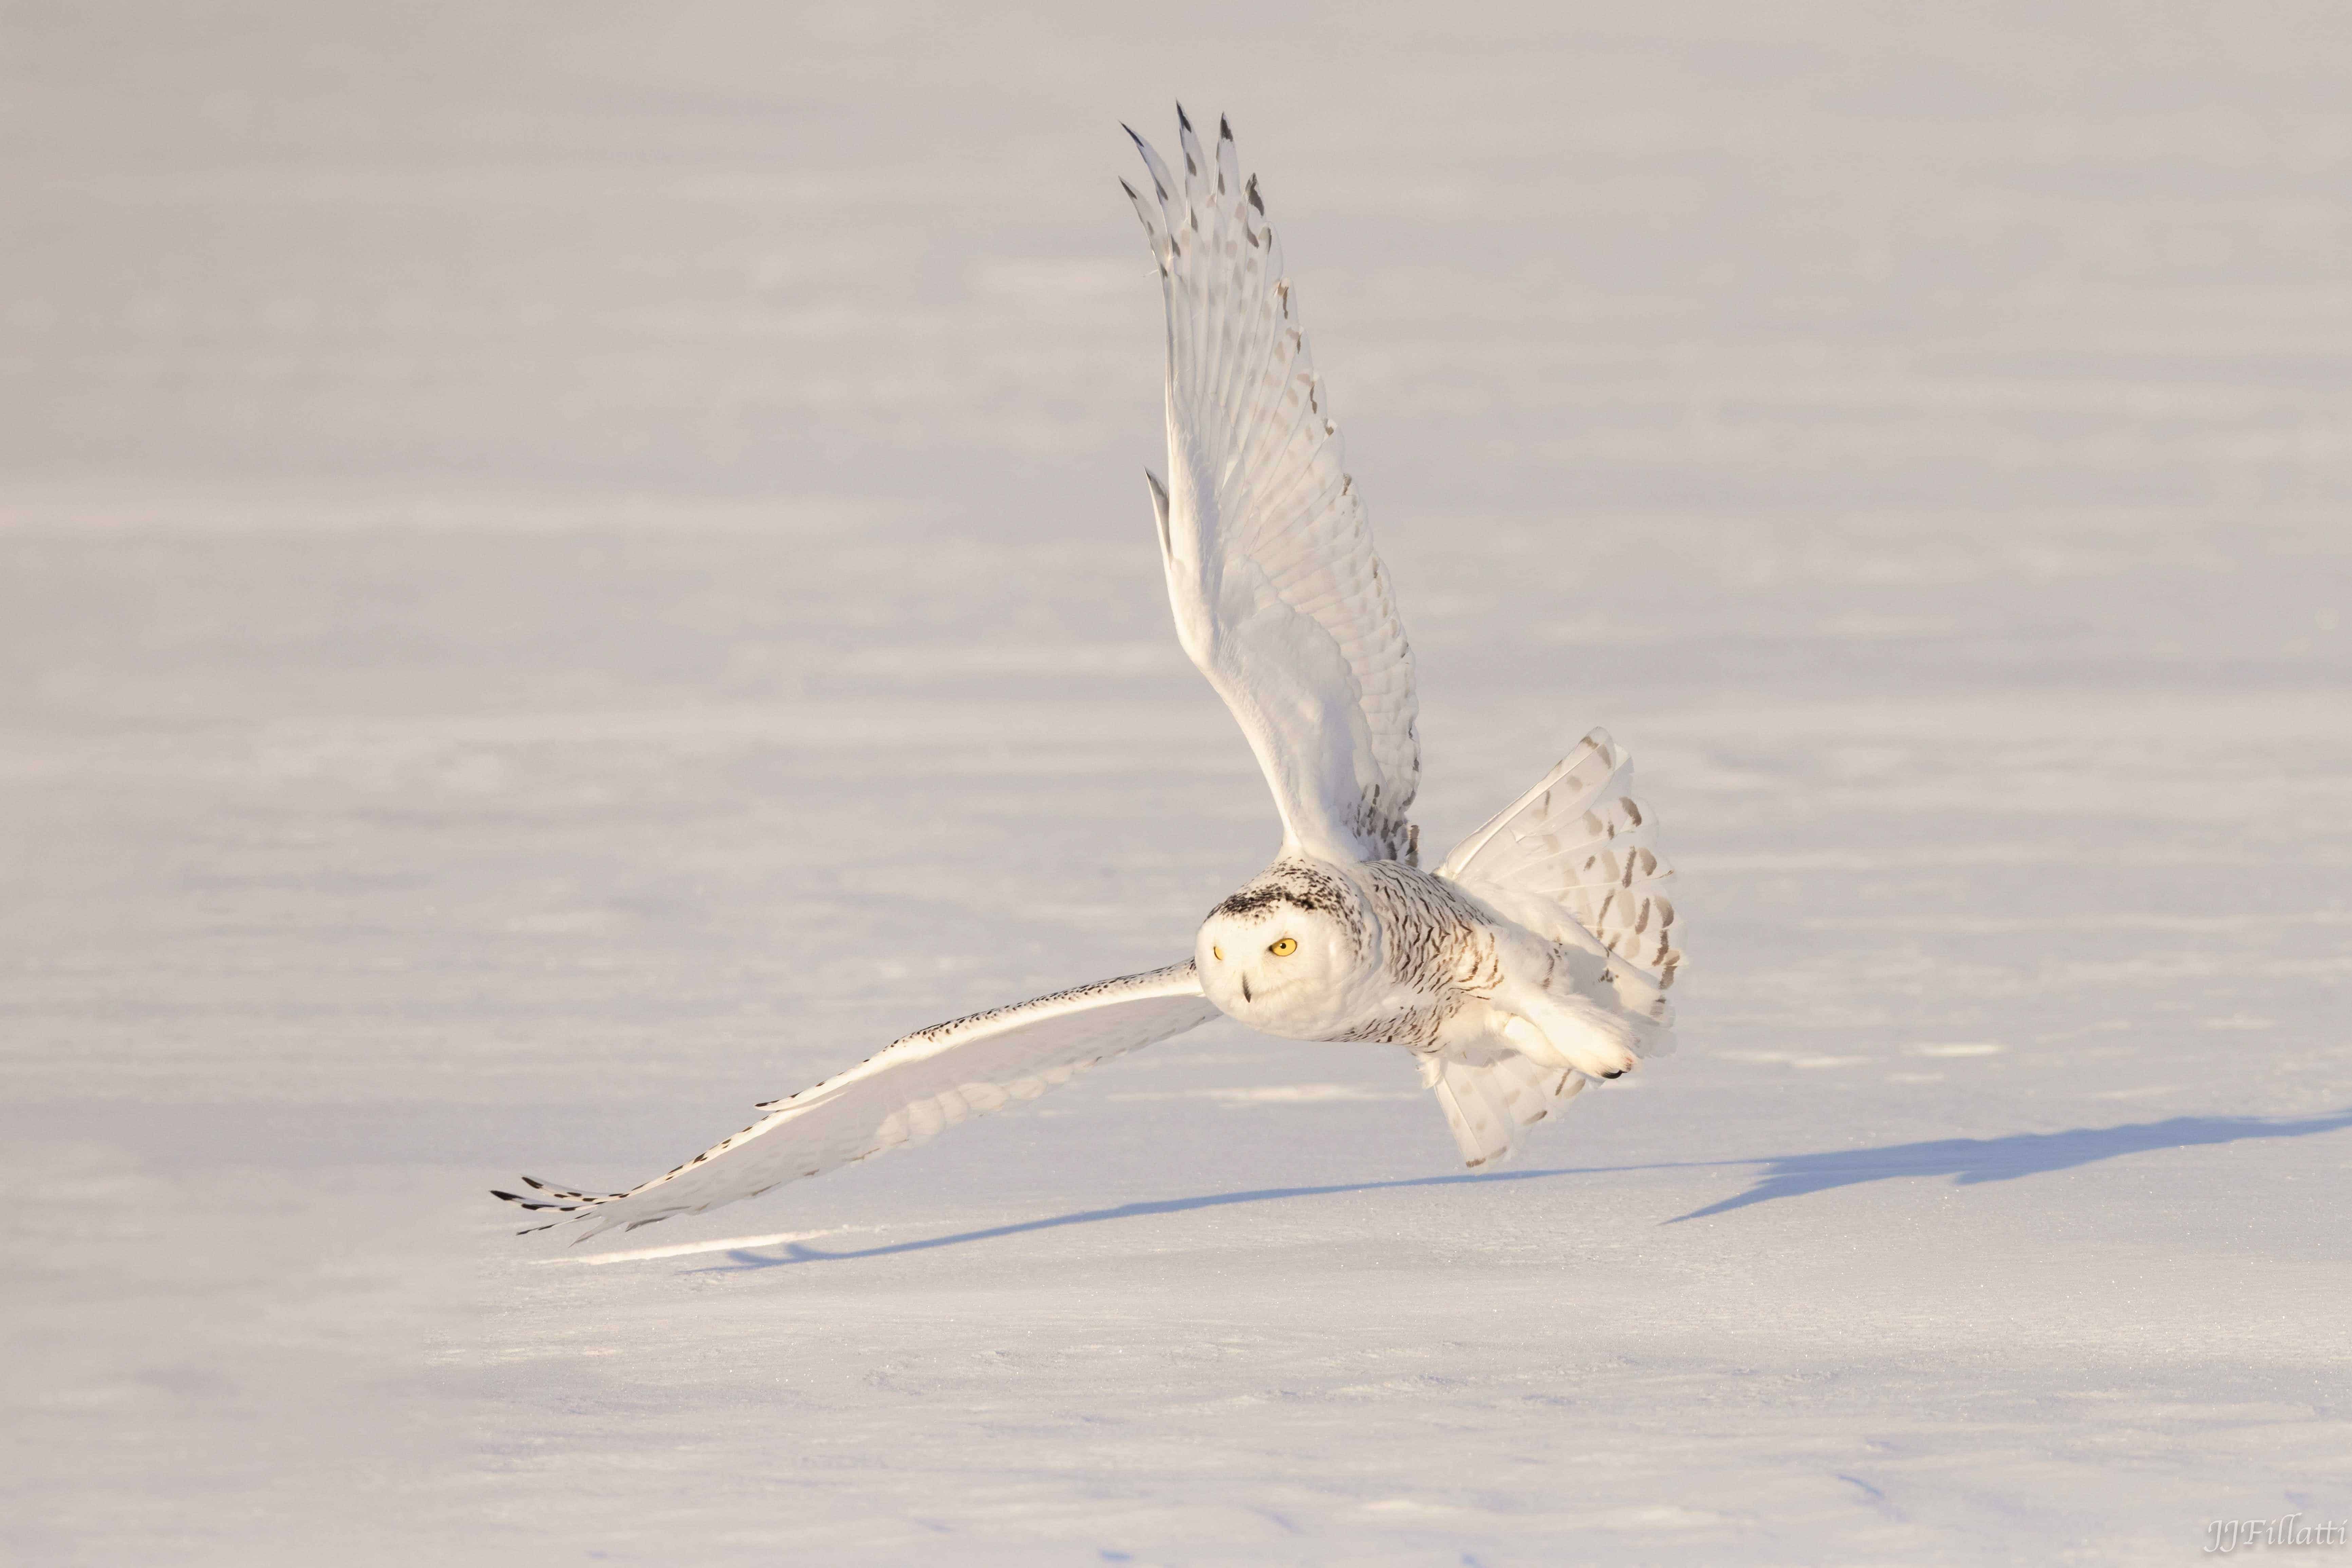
1245, 994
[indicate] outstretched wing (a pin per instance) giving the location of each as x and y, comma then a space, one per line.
933, 1079
1278, 597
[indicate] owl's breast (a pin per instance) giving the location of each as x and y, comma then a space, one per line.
1434, 954
1435, 942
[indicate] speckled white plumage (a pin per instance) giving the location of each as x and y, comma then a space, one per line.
1278, 594
1533, 960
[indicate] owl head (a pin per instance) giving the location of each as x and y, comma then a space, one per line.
1284, 952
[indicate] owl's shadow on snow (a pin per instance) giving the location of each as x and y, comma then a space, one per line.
1968, 1161
1971, 1161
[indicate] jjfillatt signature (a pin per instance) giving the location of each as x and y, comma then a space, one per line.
2228, 1535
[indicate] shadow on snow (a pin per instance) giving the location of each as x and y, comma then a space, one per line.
1968, 1161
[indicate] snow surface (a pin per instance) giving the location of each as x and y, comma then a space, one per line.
569, 568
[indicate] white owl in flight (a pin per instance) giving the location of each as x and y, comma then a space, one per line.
1535, 958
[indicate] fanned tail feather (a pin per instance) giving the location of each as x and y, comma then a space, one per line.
1576, 860
1488, 1103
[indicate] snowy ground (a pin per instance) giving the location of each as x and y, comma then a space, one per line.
562, 574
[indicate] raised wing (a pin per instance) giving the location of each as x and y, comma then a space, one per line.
933, 1079
1278, 597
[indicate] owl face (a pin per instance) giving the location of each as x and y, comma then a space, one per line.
1282, 959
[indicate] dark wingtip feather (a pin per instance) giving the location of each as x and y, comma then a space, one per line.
1224, 129
1180, 118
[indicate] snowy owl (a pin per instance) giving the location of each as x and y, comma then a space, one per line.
1535, 958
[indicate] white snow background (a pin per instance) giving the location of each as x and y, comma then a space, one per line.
568, 568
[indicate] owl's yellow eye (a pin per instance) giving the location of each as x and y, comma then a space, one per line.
1284, 948
1217, 953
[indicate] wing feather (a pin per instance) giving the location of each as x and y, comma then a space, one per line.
1278, 596
921, 1085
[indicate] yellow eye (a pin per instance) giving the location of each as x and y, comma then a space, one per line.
1284, 948
1217, 953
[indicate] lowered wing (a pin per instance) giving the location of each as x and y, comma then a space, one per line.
1277, 595
933, 1079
